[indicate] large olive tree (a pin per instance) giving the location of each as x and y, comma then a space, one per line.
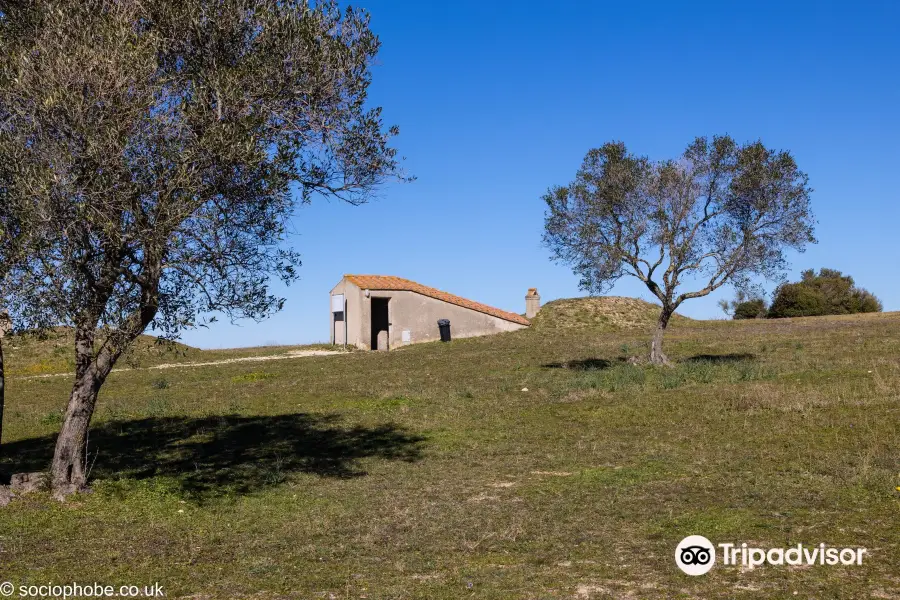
720, 213
161, 148
19, 238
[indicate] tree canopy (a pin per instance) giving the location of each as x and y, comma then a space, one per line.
720, 213
159, 149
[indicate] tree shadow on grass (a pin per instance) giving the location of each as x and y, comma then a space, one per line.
587, 364
218, 455
722, 358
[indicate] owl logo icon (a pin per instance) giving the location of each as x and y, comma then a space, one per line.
695, 555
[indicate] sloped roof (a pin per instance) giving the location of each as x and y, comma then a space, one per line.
389, 282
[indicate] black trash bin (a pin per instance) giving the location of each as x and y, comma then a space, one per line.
444, 326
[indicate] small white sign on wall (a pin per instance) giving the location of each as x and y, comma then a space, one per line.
337, 303
406, 336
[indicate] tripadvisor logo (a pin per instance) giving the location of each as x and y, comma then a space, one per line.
696, 555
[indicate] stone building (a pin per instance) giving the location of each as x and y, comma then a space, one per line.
380, 312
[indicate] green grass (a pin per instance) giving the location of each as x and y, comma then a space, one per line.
52, 353
430, 473
254, 376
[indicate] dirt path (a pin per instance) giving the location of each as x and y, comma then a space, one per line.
226, 361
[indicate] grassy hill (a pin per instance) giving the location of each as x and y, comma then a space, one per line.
433, 473
53, 353
606, 313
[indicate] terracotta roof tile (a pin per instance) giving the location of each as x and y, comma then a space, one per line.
389, 282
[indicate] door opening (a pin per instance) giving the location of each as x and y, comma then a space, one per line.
380, 324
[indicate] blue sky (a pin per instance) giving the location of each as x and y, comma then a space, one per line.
496, 102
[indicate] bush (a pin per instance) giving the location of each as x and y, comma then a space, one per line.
797, 300
866, 302
746, 305
751, 309
827, 293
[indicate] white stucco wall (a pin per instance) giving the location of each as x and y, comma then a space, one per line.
353, 301
413, 312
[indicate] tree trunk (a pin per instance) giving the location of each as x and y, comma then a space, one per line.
657, 356
68, 471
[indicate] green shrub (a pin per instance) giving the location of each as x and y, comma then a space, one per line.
746, 305
864, 301
827, 293
751, 309
797, 300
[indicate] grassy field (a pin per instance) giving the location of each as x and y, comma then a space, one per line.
430, 472
52, 354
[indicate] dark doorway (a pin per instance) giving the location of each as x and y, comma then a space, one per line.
380, 323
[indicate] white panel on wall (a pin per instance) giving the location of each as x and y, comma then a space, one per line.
337, 303
406, 336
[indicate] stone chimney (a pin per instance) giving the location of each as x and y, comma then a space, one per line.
532, 303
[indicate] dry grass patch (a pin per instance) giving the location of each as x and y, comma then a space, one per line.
607, 313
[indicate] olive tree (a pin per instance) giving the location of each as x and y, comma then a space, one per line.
720, 213
9, 235
161, 149
18, 237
